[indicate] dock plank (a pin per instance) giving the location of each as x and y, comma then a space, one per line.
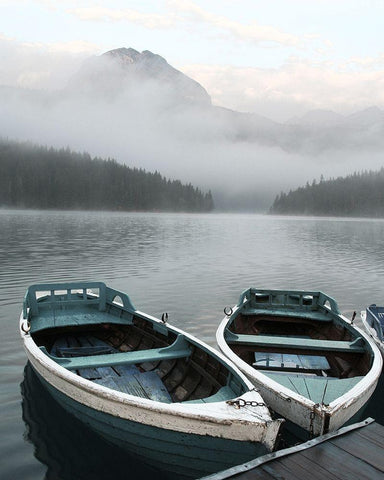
259, 474
374, 434
351, 453
280, 472
304, 468
372, 453
338, 463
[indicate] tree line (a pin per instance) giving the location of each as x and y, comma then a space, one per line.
33, 176
360, 194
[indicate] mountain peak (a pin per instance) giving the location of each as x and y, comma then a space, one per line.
123, 53
126, 68
130, 55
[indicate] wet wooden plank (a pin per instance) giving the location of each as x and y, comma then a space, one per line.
258, 474
353, 453
128, 370
89, 373
153, 387
132, 387
303, 467
367, 451
107, 372
373, 433
337, 461
281, 471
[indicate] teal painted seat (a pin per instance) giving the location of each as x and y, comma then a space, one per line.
179, 349
274, 341
322, 316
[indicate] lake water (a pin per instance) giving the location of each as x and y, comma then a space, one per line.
190, 266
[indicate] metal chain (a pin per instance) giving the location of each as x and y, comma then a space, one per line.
311, 418
240, 402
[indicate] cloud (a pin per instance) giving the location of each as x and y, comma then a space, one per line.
41, 65
106, 14
369, 63
73, 47
252, 31
280, 93
137, 124
295, 87
188, 13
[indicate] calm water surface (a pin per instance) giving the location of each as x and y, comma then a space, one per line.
190, 266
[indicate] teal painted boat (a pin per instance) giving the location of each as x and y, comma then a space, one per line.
312, 365
68, 449
142, 384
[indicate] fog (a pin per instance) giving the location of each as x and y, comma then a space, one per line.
166, 125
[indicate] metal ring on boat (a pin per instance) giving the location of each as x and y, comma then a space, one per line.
26, 328
228, 311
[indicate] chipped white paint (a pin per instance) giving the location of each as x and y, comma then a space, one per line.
214, 419
298, 408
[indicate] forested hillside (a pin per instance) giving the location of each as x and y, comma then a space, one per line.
360, 194
33, 176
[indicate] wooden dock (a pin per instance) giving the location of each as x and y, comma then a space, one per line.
355, 452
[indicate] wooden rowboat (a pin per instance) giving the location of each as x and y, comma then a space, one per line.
142, 384
311, 365
68, 449
373, 321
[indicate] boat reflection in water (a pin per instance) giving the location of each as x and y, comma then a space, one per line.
67, 447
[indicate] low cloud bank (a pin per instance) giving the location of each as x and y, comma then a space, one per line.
149, 124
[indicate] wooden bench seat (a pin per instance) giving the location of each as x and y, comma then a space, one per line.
283, 312
179, 349
274, 341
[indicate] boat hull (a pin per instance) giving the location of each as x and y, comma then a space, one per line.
179, 453
315, 418
199, 430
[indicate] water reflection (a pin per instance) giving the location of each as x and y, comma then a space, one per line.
68, 449
189, 265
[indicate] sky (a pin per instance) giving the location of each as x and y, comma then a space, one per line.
277, 58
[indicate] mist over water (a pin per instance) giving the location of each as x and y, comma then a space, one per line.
167, 125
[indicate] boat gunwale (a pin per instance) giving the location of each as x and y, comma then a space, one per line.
344, 401
26, 312
218, 413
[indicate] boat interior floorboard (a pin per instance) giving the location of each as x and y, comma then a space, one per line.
123, 378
